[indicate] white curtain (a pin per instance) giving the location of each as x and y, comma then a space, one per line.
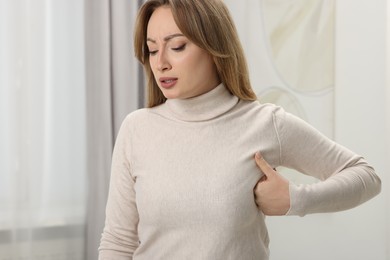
114, 84
42, 130
68, 77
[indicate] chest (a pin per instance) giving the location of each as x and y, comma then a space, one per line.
196, 175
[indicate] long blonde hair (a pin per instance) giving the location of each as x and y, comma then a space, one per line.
208, 24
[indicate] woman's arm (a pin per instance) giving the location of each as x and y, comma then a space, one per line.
347, 180
120, 238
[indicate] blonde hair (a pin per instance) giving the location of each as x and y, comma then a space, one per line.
208, 24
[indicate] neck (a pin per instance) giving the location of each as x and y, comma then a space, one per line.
204, 107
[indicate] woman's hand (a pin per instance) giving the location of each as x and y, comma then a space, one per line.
272, 193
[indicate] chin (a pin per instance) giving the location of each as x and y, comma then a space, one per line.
172, 94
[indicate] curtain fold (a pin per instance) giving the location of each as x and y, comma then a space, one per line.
114, 86
42, 130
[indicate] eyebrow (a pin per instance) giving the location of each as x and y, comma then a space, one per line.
166, 38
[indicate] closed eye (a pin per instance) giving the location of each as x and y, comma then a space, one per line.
180, 48
152, 53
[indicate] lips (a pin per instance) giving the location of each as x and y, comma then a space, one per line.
167, 82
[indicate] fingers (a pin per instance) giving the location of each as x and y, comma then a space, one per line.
263, 165
272, 190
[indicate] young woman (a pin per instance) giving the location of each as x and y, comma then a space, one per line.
193, 174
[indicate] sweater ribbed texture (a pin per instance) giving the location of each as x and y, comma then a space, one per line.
183, 175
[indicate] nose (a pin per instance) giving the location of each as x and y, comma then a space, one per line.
162, 62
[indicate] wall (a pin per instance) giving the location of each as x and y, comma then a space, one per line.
361, 115
360, 122
387, 117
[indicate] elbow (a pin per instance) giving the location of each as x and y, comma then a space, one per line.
373, 184
378, 184
114, 247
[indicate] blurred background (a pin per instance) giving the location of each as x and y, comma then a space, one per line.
68, 77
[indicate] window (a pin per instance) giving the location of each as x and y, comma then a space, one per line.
42, 129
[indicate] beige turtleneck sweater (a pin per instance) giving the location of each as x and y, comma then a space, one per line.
183, 175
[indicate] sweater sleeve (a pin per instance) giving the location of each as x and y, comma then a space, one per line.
120, 238
346, 179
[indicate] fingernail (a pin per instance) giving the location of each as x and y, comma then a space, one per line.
257, 155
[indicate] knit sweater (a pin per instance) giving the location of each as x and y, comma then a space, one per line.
183, 175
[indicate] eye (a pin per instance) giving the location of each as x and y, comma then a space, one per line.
180, 48
152, 53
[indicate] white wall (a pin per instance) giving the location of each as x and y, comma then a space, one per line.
387, 116
361, 117
360, 122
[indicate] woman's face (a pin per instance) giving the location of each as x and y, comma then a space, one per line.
181, 69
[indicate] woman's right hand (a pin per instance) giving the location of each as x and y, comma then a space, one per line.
272, 194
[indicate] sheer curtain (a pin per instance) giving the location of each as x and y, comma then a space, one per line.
68, 77
42, 130
114, 82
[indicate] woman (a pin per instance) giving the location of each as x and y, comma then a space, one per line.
185, 183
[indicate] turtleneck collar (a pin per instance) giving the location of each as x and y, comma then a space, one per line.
204, 107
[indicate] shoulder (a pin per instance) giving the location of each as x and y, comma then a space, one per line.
132, 119
263, 110
271, 117
142, 114
136, 115
143, 117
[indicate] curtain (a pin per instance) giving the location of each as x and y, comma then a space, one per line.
68, 77
42, 130
114, 82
